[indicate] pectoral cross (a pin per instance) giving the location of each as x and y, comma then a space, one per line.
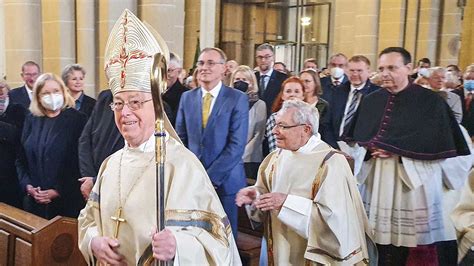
118, 219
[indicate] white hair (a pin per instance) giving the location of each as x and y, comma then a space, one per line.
304, 113
176, 60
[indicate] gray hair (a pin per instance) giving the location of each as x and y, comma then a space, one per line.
440, 70
69, 69
304, 113
265, 46
175, 59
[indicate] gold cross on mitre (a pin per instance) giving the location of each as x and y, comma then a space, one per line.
118, 219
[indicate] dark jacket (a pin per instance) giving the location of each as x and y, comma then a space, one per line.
273, 88
20, 96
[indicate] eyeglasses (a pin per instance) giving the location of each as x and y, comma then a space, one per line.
284, 127
30, 74
267, 57
132, 105
208, 63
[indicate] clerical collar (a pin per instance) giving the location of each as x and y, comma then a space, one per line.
353, 88
214, 91
314, 141
147, 146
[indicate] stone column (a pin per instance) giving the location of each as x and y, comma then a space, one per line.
450, 36
167, 18
248, 42
466, 55
23, 42
426, 44
208, 23
344, 28
86, 44
366, 30
2, 40
391, 25
59, 35
192, 20
108, 13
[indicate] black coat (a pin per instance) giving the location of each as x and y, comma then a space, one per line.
100, 137
20, 96
87, 105
172, 97
11, 124
335, 113
49, 160
328, 87
272, 89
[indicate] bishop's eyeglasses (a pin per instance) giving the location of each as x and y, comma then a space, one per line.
132, 105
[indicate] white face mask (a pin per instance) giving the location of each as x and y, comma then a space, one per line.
423, 72
337, 72
52, 102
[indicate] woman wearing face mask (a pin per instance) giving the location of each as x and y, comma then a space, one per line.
468, 119
73, 76
11, 123
291, 89
48, 164
243, 79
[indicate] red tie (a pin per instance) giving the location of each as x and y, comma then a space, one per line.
336, 83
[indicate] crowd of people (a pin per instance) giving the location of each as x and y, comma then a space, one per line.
348, 165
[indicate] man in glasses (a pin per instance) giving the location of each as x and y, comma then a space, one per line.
30, 71
306, 196
269, 81
212, 122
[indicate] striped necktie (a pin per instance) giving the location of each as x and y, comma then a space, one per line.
352, 109
206, 107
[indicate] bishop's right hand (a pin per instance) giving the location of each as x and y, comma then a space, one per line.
105, 250
246, 196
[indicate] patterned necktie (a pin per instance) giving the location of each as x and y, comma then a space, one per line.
352, 109
206, 107
262, 82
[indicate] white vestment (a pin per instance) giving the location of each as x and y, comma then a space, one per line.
322, 219
193, 210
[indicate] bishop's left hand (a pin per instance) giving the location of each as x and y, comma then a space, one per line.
164, 245
271, 201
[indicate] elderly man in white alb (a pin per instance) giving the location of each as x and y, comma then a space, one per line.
115, 226
307, 197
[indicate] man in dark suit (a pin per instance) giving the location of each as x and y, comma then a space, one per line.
212, 122
30, 71
337, 67
175, 88
346, 99
269, 80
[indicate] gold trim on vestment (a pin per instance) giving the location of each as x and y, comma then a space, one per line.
323, 252
220, 229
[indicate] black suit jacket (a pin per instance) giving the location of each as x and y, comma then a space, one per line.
20, 96
87, 105
328, 87
272, 90
333, 118
172, 97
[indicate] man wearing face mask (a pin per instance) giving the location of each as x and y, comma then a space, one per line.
337, 66
346, 100
11, 123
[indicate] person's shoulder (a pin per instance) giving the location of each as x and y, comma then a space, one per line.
16, 108
89, 99
280, 75
16, 91
74, 115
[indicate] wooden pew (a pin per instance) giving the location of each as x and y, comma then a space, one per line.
26, 239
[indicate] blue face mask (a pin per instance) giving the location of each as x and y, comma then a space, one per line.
469, 85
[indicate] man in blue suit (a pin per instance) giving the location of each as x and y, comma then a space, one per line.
30, 71
212, 122
346, 99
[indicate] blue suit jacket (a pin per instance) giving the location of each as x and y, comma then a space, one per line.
20, 96
220, 146
329, 88
333, 118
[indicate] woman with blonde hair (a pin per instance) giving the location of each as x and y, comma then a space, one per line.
73, 77
48, 166
244, 79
